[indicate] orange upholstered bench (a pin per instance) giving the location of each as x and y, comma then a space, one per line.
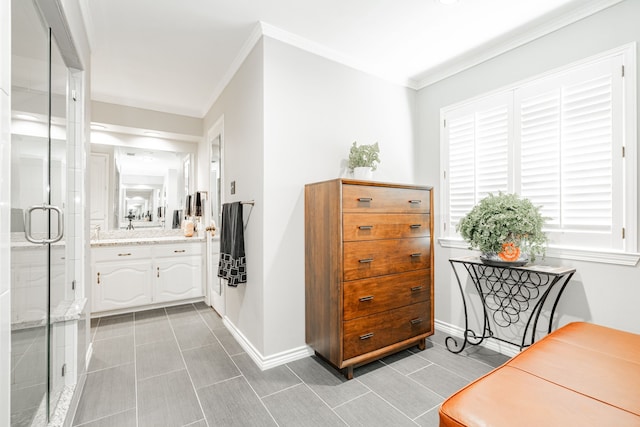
580, 375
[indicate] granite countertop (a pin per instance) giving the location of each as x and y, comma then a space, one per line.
119, 238
145, 241
142, 237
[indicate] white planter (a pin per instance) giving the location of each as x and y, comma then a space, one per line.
364, 173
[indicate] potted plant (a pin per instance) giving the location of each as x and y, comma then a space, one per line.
363, 160
505, 228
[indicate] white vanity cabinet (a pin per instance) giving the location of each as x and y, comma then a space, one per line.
177, 272
131, 276
121, 277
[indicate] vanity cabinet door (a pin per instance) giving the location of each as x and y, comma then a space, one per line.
121, 284
177, 278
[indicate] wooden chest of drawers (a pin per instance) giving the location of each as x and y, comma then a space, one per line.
368, 269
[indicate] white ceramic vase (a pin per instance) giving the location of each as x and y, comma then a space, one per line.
364, 173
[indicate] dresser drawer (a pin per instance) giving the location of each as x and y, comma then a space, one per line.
381, 257
369, 296
373, 332
357, 226
365, 198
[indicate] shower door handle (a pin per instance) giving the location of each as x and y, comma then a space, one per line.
27, 223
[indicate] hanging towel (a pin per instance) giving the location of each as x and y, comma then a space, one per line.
233, 264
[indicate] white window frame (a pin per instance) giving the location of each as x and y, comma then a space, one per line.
626, 256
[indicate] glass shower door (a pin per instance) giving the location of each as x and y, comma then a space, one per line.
38, 174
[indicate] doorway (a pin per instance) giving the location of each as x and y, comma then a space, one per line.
215, 289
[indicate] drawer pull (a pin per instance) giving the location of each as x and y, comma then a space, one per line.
98, 278
127, 254
415, 202
365, 261
367, 298
179, 251
366, 336
415, 225
416, 255
416, 321
158, 272
365, 199
416, 288
365, 227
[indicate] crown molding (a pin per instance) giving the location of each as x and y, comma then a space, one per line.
512, 40
332, 55
264, 29
245, 50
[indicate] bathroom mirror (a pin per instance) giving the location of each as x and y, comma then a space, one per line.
142, 187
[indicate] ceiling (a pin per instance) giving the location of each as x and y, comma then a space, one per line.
176, 56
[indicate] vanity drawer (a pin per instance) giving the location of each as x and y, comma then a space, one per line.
366, 198
369, 296
357, 226
179, 249
121, 253
374, 332
381, 257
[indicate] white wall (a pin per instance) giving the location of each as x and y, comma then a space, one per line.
600, 293
242, 104
5, 211
289, 119
140, 118
314, 110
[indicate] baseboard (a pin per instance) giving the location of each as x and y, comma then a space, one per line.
266, 362
491, 344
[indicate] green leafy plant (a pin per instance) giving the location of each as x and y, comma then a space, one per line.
505, 218
364, 156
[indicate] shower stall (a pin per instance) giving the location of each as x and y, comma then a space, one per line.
47, 299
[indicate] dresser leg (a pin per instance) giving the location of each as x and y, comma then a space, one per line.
348, 372
422, 344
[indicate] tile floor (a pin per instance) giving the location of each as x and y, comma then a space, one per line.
180, 366
28, 374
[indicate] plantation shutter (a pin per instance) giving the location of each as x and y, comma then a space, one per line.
556, 140
566, 138
478, 149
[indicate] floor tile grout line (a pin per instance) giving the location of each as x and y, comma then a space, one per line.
218, 382
468, 355
102, 418
284, 389
321, 399
214, 334
393, 406
426, 387
186, 367
390, 365
251, 387
427, 411
353, 398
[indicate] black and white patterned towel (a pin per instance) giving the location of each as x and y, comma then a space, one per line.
233, 262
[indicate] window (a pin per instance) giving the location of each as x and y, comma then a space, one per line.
565, 140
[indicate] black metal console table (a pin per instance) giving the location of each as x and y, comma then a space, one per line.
506, 294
